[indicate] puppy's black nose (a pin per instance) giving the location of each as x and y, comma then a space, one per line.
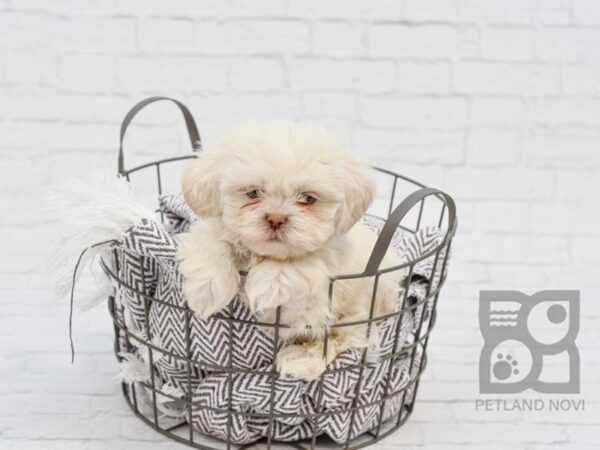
276, 220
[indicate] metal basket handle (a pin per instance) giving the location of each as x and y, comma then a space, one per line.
389, 228
190, 124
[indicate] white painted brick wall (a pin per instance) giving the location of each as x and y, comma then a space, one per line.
494, 101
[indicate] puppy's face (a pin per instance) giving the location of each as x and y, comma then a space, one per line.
282, 190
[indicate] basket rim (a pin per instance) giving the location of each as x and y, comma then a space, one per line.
442, 196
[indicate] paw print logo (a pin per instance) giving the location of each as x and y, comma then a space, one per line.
510, 362
505, 366
522, 333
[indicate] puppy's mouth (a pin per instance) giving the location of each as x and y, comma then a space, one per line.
276, 236
278, 244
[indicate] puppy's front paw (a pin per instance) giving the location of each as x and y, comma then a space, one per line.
210, 290
271, 283
210, 275
303, 361
267, 286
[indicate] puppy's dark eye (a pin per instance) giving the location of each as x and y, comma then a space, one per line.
254, 193
307, 199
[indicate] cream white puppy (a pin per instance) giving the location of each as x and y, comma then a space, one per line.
282, 201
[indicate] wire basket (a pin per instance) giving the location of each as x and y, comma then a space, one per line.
412, 208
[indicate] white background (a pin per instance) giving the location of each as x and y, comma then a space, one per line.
496, 102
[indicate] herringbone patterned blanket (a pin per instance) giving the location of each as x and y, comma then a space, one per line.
145, 260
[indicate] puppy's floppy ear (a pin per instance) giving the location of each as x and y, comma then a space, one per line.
359, 189
200, 184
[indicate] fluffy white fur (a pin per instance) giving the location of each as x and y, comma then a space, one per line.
96, 210
134, 369
300, 178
